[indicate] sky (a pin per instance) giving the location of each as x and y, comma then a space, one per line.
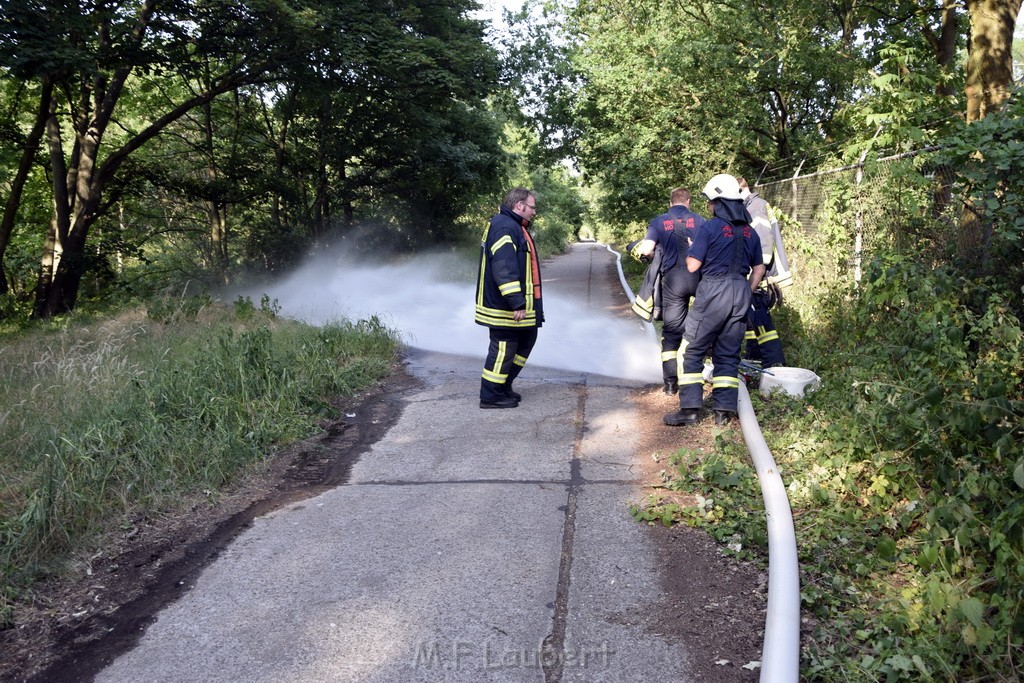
491, 10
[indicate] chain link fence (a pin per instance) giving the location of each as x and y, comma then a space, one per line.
865, 206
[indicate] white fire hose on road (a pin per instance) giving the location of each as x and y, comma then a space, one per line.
780, 651
651, 332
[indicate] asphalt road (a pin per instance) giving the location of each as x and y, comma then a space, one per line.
467, 544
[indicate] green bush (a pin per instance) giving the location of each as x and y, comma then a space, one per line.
929, 412
904, 476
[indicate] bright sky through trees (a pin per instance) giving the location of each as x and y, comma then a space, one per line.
493, 11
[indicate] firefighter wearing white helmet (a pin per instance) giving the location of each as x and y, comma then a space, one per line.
725, 251
723, 186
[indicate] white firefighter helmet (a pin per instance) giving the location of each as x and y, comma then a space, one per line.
722, 186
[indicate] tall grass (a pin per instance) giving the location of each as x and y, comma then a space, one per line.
104, 421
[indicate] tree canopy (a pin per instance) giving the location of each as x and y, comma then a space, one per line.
267, 117
660, 94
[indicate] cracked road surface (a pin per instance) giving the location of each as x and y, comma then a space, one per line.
469, 545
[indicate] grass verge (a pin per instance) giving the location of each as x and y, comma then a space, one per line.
106, 420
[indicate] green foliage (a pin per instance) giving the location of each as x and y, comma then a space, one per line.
726, 492
559, 191
243, 132
905, 479
560, 216
169, 310
539, 80
936, 405
246, 310
989, 158
891, 207
669, 95
631, 140
903, 108
124, 418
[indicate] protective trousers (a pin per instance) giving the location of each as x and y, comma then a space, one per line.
506, 356
716, 324
677, 286
763, 341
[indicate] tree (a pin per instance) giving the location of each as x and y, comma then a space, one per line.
88, 53
28, 145
675, 92
283, 114
989, 83
990, 55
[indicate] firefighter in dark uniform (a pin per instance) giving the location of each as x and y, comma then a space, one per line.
725, 250
508, 297
672, 232
763, 343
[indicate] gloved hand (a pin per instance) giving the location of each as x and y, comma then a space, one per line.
774, 294
634, 250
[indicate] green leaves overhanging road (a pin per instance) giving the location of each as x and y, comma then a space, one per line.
269, 118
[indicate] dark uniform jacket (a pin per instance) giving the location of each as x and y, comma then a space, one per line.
673, 231
713, 248
509, 277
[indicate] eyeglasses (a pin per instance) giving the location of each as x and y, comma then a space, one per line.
530, 206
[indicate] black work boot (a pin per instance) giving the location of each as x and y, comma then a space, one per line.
685, 417
512, 394
671, 386
724, 417
507, 402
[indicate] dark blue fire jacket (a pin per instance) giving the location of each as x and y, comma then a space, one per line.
509, 275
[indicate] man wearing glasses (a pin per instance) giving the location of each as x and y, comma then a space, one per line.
508, 297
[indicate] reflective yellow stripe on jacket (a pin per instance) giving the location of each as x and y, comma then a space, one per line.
501, 317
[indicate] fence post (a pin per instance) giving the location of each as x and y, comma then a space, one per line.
794, 191
858, 244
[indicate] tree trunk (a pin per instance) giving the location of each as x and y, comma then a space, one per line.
990, 55
76, 210
28, 157
218, 238
62, 269
216, 209
346, 198
945, 52
989, 81
321, 208
281, 149
945, 46
56, 238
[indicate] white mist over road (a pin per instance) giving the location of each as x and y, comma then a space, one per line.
432, 306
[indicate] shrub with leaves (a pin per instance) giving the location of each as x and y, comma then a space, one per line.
904, 476
933, 407
989, 156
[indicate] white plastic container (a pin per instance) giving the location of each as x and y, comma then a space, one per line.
794, 381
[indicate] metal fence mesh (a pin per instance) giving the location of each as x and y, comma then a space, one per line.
862, 207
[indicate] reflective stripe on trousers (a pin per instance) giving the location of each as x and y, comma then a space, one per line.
506, 356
